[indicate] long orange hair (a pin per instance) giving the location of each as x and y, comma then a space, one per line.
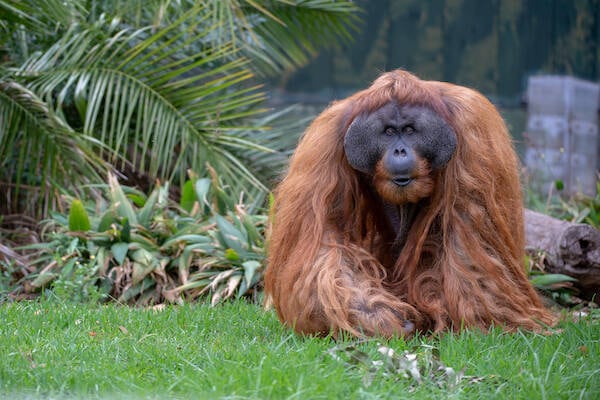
331, 263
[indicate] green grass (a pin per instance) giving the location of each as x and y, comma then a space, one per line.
237, 350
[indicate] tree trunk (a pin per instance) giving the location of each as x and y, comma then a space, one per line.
571, 249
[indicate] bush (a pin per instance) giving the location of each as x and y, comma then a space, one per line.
148, 249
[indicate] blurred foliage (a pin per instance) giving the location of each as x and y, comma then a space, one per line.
577, 209
557, 287
490, 45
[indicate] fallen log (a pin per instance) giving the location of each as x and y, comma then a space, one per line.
570, 249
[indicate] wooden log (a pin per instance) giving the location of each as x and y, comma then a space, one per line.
571, 249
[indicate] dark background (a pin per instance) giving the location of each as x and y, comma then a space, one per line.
490, 45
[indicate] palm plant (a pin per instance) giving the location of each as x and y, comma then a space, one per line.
150, 88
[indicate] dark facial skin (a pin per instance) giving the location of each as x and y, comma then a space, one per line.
398, 146
399, 135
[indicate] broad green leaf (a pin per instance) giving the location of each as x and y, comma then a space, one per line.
59, 218
125, 230
106, 221
146, 213
73, 245
185, 260
204, 248
145, 257
194, 285
138, 289
545, 280
230, 235
188, 196
224, 201
202, 188
79, 220
43, 279
119, 251
144, 241
67, 269
137, 200
186, 239
120, 202
140, 271
250, 268
252, 231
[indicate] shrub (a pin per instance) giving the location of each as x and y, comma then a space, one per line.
149, 249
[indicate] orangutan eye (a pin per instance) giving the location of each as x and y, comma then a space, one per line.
390, 130
408, 129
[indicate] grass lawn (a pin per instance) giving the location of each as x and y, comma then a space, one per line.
237, 350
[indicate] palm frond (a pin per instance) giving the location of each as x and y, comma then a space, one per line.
143, 97
39, 153
42, 16
158, 93
285, 128
283, 34
134, 12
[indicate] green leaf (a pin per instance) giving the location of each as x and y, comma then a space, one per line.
194, 284
120, 202
188, 196
187, 239
137, 197
232, 255
252, 230
138, 289
44, 279
140, 271
225, 202
73, 246
144, 256
144, 240
78, 217
119, 251
67, 269
231, 237
250, 268
146, 213
545, 280
125, 230
202, 188
106, 221
283, 35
